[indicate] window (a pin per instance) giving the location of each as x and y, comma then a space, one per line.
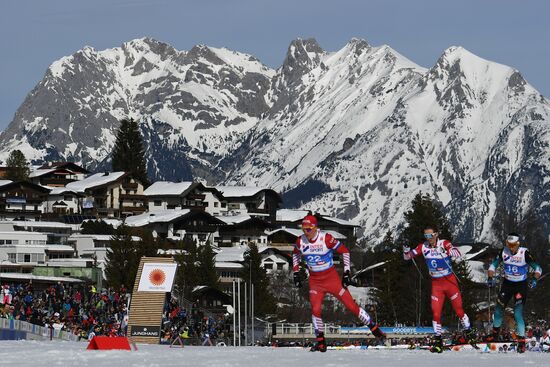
27, 258
12, 258
268, 266
224, 205
158, 203
280, 266
216, 204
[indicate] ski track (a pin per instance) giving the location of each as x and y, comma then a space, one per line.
59, 353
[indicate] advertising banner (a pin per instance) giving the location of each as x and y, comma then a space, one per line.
157, 277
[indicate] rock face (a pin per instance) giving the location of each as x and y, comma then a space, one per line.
354, 133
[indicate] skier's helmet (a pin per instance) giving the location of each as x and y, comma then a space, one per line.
309, 221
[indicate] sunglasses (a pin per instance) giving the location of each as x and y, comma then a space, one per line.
430, 235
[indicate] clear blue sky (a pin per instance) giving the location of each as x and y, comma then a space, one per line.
34, 33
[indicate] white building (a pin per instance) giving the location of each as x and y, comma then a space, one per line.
92, 245
63, 201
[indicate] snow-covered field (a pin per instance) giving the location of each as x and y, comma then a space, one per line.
46, 353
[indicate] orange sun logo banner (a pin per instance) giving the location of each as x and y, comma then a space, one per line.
157, 277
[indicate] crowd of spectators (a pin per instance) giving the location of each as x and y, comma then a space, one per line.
82, 310
196, 326
86, 311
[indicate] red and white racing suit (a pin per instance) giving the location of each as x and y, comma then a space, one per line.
444, 282
323, 277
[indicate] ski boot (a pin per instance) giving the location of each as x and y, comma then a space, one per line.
437, 346
471, 338
494, 335
320, 345
378, 334
521, 344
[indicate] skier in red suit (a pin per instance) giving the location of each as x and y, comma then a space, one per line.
438, 254
316, 248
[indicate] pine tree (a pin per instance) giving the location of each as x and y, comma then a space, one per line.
253, 272
425, 212
121, 267
129, 153
96, 227
124, 254
207, 267
187, 275
17, 166
397, 300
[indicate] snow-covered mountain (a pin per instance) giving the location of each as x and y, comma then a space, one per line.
354, 133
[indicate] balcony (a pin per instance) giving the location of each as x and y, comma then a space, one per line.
133, 209
55, 181
130, 186
132, 197
195, 197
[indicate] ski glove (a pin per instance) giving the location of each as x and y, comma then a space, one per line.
406, 249
532, 283
297, 280
491, 282
346, 279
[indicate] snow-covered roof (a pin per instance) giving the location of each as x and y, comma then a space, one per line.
293, 231
59, 190
167, 188
231, 254
27, 276
234, 219
98, 179
5, 182
161, 216
342, 222
41, 172
290, 215
238, 191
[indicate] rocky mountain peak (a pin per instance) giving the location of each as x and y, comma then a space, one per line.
303, 55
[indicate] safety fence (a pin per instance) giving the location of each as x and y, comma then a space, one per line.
11, 329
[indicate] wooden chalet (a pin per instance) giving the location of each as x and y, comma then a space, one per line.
111, 194
21, 200
57, 174
242, 229
254, 201
163, 195
178, 224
